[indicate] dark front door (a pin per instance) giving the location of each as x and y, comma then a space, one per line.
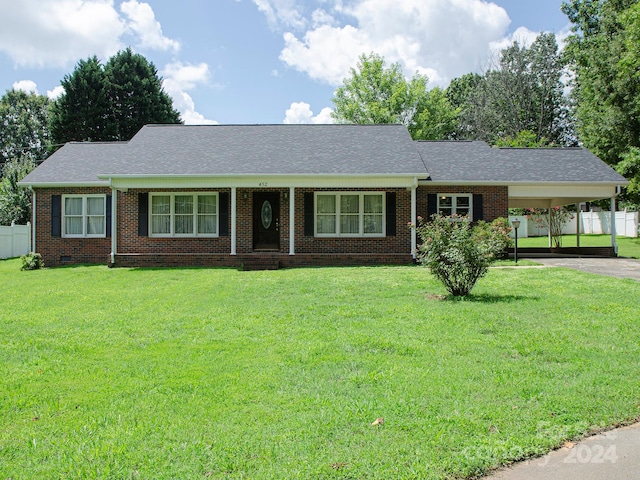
266, 221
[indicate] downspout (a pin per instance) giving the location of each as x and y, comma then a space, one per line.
33, 219
234, 192
414, 219
292, 221
114, 223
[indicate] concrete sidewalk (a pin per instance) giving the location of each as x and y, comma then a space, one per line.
609, 455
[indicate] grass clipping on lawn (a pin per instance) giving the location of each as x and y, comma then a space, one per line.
305, 373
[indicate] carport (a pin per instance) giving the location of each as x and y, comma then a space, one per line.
535, 177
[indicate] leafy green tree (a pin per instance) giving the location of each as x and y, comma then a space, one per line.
603, 54
135, 95
523, 92
377, 94
81, 113
25, 130
15, 200
111, 102
523, 139
459, 92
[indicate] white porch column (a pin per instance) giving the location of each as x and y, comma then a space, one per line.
292, 221
233, 220
114, 224
414, 220
613, 225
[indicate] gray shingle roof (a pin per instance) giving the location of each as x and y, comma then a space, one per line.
216, 150
308, 150
477, 162
76, 163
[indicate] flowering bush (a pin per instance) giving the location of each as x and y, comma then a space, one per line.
553, 220
32, 261
459, 254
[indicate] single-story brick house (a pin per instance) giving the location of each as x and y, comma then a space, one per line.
283, 195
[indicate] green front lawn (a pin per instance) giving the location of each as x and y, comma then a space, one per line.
627, 247
215, 373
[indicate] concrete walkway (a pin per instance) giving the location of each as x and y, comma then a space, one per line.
610, 455
614, 267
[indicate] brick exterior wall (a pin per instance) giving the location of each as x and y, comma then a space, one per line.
135, 250
58, 251
495, 199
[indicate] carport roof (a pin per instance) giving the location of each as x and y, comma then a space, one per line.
476, 162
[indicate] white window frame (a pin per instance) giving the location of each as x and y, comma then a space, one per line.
361, 215
84, 216
172, 215
454, 202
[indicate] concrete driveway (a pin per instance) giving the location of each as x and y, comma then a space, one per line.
614, 267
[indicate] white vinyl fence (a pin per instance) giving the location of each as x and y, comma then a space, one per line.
15, 240
596, 223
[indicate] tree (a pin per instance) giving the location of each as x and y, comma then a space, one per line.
459, 92
111, 102
135, 95
523, 92
376, 94
15, 200
25, 131
603, 54
81, 113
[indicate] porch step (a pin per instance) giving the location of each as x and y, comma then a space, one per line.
260, 262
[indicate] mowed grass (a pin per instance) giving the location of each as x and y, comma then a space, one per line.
627, 246
215, 373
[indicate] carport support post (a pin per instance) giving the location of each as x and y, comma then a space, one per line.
549, 225
613, 226
579, 213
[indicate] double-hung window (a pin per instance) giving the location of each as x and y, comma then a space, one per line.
349, 214
184, 214
455, 204
84, 216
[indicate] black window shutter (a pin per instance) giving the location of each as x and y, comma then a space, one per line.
56, 215
108, 215
223, 209
477, 208
391, 214
308, 214
143, 214
432, 205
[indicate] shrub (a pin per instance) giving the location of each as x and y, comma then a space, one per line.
32, 261
459, 254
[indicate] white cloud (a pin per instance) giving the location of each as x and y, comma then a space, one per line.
522, 35
28, 86
180, 77
284, 12
57, 33
443, 39
55, 93
300, 112
143, 22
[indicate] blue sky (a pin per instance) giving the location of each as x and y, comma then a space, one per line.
262, 61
